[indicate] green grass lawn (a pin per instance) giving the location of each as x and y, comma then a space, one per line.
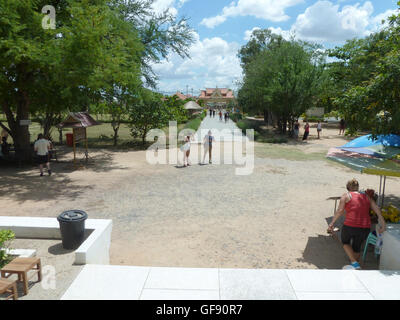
101, 136
274, 151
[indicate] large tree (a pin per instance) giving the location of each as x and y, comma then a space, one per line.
283, 78
367, 75
99, 51
47, 71
149, 112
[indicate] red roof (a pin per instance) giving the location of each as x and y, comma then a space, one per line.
180, 95
226, 93
78, 120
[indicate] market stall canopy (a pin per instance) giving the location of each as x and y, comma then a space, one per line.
353, 160
391, 140
366, 163
191, 105
78, 120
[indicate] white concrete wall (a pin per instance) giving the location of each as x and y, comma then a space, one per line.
94, 250
390, 256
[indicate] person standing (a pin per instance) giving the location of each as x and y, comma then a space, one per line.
306, 131
208, 143
357, 224
342, 126
213, 113
186, 151
220, 115
296, 129
210, 113
42, 147
319, 129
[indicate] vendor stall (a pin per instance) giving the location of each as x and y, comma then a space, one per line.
377, 157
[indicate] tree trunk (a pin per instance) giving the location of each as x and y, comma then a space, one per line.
115, 138
20, 134
266, 116
60, 135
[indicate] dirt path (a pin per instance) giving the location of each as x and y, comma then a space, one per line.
202, 216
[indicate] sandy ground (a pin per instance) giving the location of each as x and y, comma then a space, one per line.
203, 216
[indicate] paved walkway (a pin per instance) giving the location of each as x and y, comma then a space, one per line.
96, 282
221, 130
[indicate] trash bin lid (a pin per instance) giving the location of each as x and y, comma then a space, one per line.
72, 216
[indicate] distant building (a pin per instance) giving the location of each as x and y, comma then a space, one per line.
182, 96
217, 97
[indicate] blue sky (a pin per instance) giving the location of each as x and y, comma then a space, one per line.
221, 27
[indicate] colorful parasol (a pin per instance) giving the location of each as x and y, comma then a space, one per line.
377, 157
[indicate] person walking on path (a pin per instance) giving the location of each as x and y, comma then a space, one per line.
186, 151
306, 131
319, 129
213, 113
296, 129
42, 147
220, 115
342, 126
357, 224
208, 143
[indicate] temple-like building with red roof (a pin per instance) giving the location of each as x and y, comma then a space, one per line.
217, 96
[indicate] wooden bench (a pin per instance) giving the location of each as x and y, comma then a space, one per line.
21, 267
7, 286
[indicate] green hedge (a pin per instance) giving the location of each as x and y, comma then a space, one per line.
236, 117
6, 236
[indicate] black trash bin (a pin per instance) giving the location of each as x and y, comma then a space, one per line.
72, 227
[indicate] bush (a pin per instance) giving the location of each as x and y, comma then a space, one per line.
246, 124
333, 114
313, 119
236, 117
274, 140
6, 236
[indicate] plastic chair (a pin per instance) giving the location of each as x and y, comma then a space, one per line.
370, 240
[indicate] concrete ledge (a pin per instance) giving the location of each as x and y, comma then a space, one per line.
23, 253
94, 250
96, 282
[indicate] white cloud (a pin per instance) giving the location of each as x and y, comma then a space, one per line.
328, 22
324, 21
377, 21
160, 6
248, 33
272, 10
213, 62
286, 34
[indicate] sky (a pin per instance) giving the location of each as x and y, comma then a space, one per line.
222, 27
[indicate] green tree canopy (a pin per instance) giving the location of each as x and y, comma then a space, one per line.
366, 77
282, 78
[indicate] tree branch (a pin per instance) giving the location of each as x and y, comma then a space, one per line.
5, 128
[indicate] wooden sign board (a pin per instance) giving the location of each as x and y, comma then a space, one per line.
79, 134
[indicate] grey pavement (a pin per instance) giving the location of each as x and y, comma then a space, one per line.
221, 130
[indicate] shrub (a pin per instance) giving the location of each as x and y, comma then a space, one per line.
236, 117
274, 140
6, 236
314, 119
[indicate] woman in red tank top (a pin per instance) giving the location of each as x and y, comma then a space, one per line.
357, 211
357, 224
